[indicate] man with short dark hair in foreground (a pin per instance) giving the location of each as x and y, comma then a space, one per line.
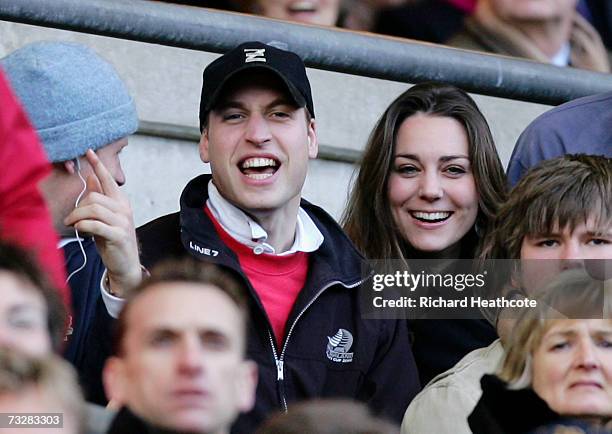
180, 353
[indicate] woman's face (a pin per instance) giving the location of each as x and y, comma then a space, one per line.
572, 367
533, 10
432, 192
23, 316
319, 12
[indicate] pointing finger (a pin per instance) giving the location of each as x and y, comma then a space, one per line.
107, 182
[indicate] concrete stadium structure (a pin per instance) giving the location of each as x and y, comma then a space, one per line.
166, 82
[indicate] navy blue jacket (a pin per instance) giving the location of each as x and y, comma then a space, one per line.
377, 367
90, 343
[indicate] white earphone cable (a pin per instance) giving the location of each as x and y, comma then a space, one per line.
76, 231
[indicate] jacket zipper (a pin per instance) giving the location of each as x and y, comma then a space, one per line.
279, 361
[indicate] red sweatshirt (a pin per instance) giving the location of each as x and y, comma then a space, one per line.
277, 279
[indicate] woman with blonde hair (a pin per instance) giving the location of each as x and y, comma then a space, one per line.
558, 366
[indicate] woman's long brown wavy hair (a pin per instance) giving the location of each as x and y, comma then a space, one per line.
367, 219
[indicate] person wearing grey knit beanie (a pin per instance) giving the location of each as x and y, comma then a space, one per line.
83, 114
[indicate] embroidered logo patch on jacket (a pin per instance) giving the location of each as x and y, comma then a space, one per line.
339, 345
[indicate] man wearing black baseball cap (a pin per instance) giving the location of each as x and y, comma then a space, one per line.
307, 333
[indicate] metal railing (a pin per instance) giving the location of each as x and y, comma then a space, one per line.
324, 48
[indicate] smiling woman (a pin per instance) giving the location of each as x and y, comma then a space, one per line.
319, 12
432, 192
428, 187
430, 178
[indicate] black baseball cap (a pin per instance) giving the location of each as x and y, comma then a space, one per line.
286, 64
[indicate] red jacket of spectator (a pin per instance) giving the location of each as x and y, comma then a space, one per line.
24, 216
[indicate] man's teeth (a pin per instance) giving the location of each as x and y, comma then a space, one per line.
259, 176
258, 162
431, 215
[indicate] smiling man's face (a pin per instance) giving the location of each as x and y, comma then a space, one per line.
258, 143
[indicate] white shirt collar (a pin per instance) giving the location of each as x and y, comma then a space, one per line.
562, 58
247, 231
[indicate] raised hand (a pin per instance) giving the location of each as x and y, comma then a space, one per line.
105, 212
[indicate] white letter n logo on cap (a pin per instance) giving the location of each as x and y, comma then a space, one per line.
254, 55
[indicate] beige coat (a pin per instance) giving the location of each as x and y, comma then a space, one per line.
444, 404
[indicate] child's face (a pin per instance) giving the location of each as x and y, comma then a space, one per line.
543, 256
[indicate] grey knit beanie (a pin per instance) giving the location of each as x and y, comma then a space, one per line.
74, 98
